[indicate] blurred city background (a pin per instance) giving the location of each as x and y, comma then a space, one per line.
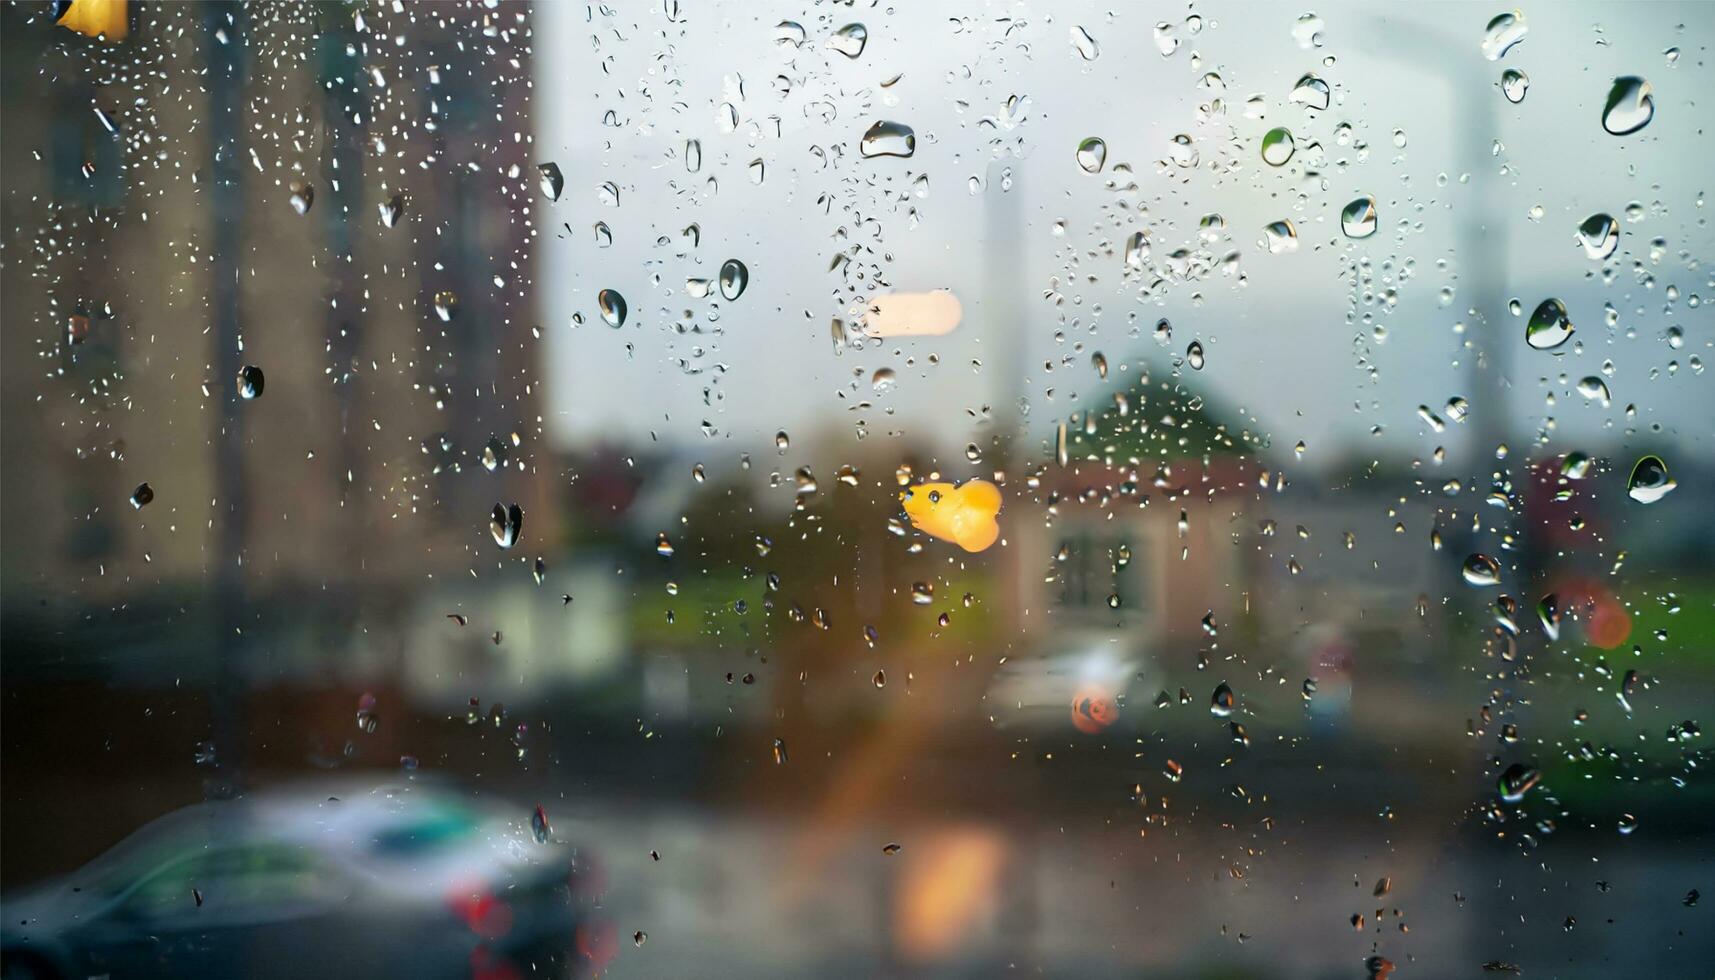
1330, 632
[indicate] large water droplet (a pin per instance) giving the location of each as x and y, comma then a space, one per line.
1359, 219
1594, 389
1280, 236
1166, 39
250, 382
1307, 31
303, 195
506, 523
1517, 781
1630, 106
1136, 251
1221, 703
1277, 146
888, 139
142, 496
612, 306
1086, 45
849, 40
883, 380
552, 181
1482, 571
1549, 326
1514, 84
1194, 355
446, 305
1650, 480
693, 155
789, 34
1600, 236
1548, 614
1504, 31
1312, 91
494, 454
1092, 153
391, 210
734, 278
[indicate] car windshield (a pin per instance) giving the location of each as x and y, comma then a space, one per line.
857, 488
441, 830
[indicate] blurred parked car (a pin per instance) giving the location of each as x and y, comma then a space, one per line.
322, 880
1081, 682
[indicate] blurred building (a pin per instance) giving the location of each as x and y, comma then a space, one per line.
153, 221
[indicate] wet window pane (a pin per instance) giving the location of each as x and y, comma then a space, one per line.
684, 489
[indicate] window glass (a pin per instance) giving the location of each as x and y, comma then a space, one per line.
857, 488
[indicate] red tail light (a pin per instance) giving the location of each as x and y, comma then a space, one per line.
486, 915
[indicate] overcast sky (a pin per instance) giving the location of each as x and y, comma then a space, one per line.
1290, 345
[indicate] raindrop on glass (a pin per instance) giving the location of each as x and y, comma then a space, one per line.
1504, 31
1514, 84
1548, 614
1086, 45
1629, 107
392, 210
1136, 250
789, 34
734, 278
1518, 780
1576, 466
506, 524
1280, 236
1650, 480
494, 454
850, 40
552, 181
1549, 325
1277, 146
1166, 39
612, 306
446, 305
1482, 571
250, 382
1600, 236
1221, 703
1359, 219
1311, 91
888, 139
1092, 153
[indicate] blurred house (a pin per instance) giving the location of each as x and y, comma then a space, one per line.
1142, 518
